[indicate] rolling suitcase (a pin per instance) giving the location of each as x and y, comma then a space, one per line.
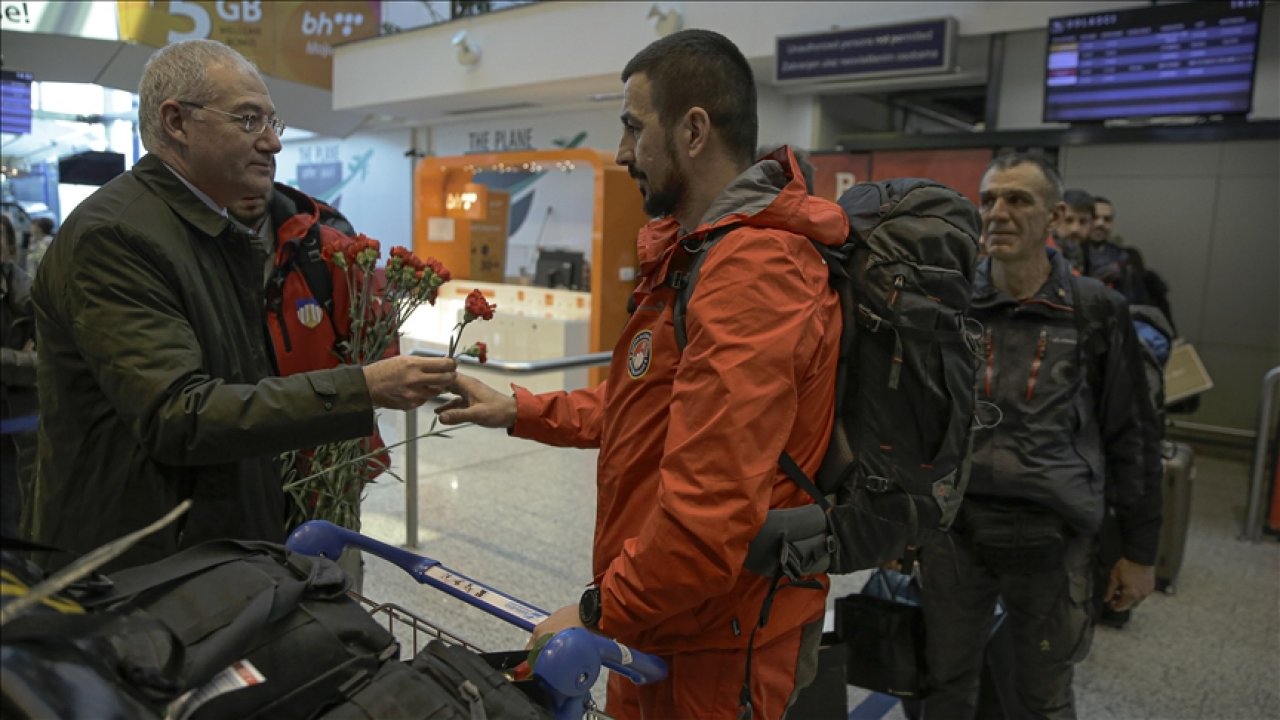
1179, 476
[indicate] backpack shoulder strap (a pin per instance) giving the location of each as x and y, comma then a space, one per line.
314, 269
683, 275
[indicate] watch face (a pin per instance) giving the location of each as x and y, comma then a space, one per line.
589, 607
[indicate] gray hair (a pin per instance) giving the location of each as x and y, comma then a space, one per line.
180, 72
1053, 181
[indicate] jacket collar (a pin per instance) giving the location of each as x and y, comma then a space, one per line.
770, 193
152, 172
1057, 290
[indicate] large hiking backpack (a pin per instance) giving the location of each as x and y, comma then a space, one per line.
898, 462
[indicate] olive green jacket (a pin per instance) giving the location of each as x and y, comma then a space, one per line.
155, 378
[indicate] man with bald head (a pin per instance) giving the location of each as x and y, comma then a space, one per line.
154, 375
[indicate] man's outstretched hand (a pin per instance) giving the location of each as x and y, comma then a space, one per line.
404, 382
479, 404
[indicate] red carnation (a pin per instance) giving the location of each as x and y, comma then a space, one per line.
479, 351
478, 307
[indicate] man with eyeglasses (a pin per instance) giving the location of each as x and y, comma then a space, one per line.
155, 376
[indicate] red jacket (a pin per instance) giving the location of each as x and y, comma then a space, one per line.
689, 444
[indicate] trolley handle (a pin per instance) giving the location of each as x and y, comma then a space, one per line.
322, 538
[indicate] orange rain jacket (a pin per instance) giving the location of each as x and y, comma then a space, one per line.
689, 443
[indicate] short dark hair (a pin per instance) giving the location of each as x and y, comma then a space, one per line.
46, 224
1099, 199
1008, 160
1078, 200
701, 68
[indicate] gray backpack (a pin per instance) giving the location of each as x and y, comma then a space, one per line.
898, 462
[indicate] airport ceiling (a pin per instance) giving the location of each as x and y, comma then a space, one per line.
116, 64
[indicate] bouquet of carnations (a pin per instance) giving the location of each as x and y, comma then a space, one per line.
327, 482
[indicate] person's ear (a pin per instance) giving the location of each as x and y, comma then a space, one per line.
1056, 214
173, 123
696, 127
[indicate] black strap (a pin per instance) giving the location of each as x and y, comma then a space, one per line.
745, 709
793, 471
314, 269
9, 542
682, 274
220, 648
135, 580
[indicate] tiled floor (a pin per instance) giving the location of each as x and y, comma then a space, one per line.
518, 516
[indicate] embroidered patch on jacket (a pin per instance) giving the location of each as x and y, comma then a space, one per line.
309, 312
640, 354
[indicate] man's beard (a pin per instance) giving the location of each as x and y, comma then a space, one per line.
662, 201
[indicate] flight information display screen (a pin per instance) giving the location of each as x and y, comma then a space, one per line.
1195, 58
15, 102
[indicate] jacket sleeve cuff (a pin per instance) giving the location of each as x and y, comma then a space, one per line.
526, 412
1141, 541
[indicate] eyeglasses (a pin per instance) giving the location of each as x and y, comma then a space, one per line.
251, 123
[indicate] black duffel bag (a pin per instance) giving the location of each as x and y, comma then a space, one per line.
264, 632
480, 689
57, 661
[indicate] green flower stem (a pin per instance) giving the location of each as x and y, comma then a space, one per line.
334, 493
366, 456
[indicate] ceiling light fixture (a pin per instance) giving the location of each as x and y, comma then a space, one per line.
468, 54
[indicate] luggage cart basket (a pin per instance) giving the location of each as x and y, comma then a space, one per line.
568, 664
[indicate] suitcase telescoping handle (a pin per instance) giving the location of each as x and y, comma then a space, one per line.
319, 538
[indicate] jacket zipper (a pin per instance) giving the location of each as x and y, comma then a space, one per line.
895, 369
991, 363
898, 282
1035, 363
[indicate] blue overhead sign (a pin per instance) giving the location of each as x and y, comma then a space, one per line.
15, 102
906, 49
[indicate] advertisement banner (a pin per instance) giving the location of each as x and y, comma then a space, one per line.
77, 19
836, 172
286, 39
959, 169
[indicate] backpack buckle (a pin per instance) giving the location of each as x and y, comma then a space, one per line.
868, 319
877, 483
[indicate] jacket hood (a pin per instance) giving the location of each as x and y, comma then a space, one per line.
772, 194
769, 194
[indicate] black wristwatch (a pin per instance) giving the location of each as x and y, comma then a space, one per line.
589, 608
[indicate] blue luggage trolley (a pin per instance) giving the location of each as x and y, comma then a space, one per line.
567, 666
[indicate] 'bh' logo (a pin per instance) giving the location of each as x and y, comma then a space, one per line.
322, 24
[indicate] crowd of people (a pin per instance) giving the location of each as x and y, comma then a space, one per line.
145, 334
